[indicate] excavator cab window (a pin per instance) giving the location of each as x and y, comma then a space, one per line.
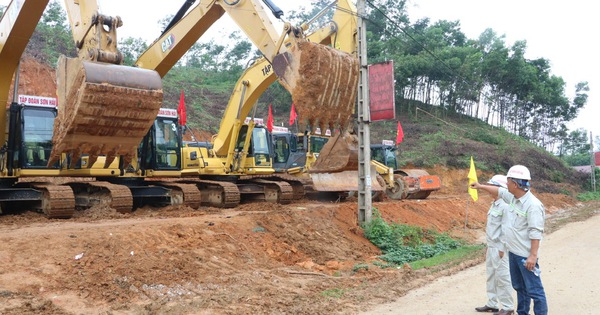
317, 143
261, 147
282, 149
36, 144
168, 153
300, 143
385, 155
390, 157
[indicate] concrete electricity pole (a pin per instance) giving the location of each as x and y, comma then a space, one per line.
593, 159
365, 200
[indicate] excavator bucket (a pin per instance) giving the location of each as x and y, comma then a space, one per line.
104, 109
336, 168
339, 154
322, 81
345, 181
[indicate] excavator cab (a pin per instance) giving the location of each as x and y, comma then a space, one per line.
255, 155
384, 154
36, 141
289, 152
161, 148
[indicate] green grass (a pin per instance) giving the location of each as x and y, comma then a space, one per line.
334, 293
401, 243
455, 255
589, 196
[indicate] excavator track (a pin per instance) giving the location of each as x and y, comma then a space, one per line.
58, 201
298, 184
276, 191
217, 193
118, 197
186, 194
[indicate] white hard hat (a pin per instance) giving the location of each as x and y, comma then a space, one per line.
519, 172
498, 180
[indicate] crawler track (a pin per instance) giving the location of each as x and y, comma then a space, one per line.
118, 197
276, 191
216, 193
298, 184
58, 201
190, 194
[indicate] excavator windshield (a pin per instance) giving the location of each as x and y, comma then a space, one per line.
167, 143
317, 143
385, 155
37, 124
261, 147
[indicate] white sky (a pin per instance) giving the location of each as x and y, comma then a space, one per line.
559, 31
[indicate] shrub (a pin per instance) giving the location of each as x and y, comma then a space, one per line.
401, 243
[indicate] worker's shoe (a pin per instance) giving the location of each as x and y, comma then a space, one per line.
486, 309
505, 312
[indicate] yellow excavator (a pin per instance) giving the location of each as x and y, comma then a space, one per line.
104, 111
238, 162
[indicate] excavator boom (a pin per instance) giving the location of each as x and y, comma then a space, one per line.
321, 79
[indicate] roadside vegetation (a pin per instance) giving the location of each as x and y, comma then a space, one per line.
402, 244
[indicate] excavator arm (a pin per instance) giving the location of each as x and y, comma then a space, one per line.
321, 79
249, 15
339, 33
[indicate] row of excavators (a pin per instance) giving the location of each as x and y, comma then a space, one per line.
113, 144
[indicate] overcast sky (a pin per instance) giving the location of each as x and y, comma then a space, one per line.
559, 31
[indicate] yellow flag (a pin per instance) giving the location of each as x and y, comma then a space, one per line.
472, 179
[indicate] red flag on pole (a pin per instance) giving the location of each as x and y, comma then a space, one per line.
293, 115
270, 119
400, 134
181, 110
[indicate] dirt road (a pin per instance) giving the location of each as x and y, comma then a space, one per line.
570, 272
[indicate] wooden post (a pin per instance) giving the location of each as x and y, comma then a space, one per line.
467, 214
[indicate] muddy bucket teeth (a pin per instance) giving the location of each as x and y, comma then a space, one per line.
322, 81
104, 109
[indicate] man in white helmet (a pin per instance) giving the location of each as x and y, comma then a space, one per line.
523, 236
498, 288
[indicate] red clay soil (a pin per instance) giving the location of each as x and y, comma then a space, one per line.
263, 258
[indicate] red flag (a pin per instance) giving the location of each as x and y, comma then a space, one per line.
400, 134
181, 110
270, 119
293, 115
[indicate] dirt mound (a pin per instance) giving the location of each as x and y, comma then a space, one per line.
35, 78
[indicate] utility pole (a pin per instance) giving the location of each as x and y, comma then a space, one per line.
365, 201
593, 164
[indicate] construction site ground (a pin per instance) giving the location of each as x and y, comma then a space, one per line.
307, 257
